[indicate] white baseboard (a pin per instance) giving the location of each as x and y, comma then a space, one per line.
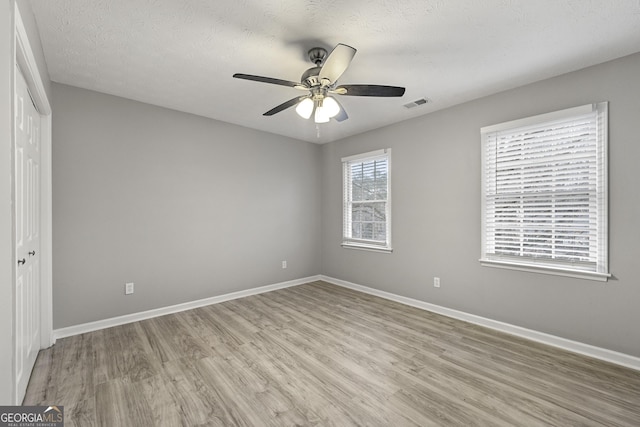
552, 340
134, 317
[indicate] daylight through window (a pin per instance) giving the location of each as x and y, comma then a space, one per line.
544, 199
366, 209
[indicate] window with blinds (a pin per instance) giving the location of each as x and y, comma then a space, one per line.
544, 193
366, 206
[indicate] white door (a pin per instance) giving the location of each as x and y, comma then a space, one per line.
27, 197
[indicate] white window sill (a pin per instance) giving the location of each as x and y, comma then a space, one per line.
363, 247
577, 274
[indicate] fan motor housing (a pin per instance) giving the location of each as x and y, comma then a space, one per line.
310, 77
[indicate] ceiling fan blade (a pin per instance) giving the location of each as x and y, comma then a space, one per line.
369, 90
337, 62
342, 115
290, 103
269, 80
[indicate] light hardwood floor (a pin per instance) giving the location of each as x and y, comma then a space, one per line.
318, 354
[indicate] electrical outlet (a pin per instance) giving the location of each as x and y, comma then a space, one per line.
128, 288
436, 282
284, 264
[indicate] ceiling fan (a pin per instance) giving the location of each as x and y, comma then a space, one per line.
321, 83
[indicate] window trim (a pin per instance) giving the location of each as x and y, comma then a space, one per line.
350, 243
602, 191
547, 269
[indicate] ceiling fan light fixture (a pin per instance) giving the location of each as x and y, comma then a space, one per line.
326, 108
330, 106
321, 115
305, 108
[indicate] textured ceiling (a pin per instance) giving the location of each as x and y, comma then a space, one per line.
181, 54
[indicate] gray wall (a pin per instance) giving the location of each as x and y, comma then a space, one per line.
183, 206
436, 214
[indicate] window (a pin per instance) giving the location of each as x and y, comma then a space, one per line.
367, 201
544, 193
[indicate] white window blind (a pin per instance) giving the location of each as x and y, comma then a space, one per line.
366, 207
545, 192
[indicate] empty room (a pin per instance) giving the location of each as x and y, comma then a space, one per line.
281, 212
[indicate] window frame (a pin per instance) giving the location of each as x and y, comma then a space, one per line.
600, 271
349, 242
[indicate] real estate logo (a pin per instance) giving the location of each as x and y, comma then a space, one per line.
31, 416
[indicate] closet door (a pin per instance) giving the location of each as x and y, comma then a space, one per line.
27, 217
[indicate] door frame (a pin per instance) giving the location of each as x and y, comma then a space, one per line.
26, 61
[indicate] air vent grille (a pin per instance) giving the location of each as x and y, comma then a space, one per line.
416, 103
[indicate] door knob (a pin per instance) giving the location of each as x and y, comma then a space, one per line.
32, 253
21, 261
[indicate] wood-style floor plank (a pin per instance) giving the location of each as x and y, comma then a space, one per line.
322, 355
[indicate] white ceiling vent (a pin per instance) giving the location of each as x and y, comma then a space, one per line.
416, 103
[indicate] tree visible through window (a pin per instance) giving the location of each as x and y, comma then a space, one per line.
366, 200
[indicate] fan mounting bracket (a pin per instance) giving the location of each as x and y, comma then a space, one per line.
317, 55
